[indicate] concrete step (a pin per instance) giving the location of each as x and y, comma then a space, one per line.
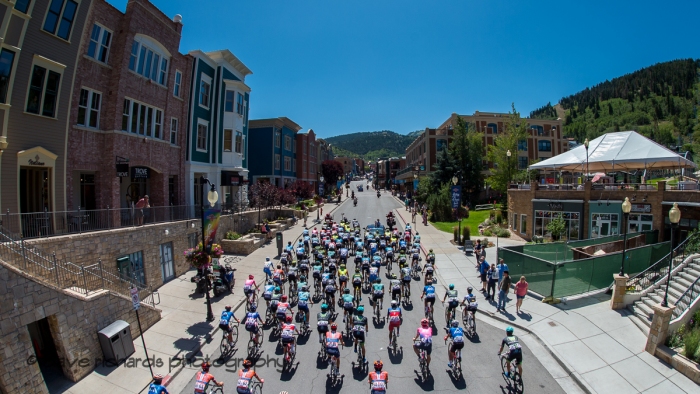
643, 311
658, 295
678, 287
692, 272
685, 284
639, 323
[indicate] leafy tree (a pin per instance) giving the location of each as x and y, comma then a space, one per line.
556, 227
301, 190
286, 196
444, 169
440, 204
332, 172
263, 195
468, 152
425, 189
505, 167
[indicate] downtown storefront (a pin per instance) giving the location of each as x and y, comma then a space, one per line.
570, 211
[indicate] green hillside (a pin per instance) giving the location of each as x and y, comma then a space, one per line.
658, 101
373, 144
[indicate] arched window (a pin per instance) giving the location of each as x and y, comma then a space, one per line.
149, 58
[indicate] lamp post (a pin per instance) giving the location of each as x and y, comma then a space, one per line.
585, 143
626, 208
674, 216
508, 164
318, 209
212, 197
455, 180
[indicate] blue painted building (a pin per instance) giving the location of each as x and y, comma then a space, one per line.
273, 150
217, 143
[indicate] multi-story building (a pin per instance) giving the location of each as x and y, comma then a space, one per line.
348, 164
306, 163
129, 101
387, 170
217, 144
359, 166
274, 160
41, 44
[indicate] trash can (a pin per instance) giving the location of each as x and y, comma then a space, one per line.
280, 243
116, 341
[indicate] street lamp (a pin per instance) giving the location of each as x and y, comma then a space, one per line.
674, 216
318, 209
212, 197
626, 208
585, 143
455, 180
508, 164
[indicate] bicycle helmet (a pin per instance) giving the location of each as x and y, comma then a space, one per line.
394, 302
267, 259
302, 278
305, 288
379, 280
277, 289
158, 377
247, 363
454, 323
269, 282
251, 276
360, 309
378, 364
206, 366
253, 307
469, 289
393, 276
431, 250
326, 270
334, 326
288, 319
509, 330
324, 307
452, 286
346, 291
227, 307
357, 270
424, 323
284, 297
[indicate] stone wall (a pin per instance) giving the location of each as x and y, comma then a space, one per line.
74, 321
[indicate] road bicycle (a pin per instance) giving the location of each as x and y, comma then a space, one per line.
251, 299
407, 291
423, 361
290, 355
469, 322
334, 373
457, 362
394, 334
255, 342
226, 346
415, 269
429, 313
450, 313
255, 386
513, 378
378, 304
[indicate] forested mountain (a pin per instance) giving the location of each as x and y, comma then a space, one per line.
659, 101
373, 144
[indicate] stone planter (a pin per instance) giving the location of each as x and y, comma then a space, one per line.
681, 364
289, 222
244, 245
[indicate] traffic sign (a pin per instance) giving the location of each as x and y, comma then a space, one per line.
135, 298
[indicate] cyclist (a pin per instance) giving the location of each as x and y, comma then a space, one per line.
428, 270
287, 336
395, 285
452, 298
323, 318
300, 251
343, 252
365, 266
373, 274
415, 255
267, 268
275, 300
203, 378
226, 317
329, 283
395, 317
378, 380
333, 338
469, 303
289, 248
245, 374
292, 275
302, 282
267, 291
156, 387
251, 320
456, 334
360, 328
416, 239
348, 304
282, 309
250, 288
515, 352
278, 276
303, 302
429, 294
317, 268
406, 278
357, 284
343, 277
425, 334
431, 257
304, 266
378, 293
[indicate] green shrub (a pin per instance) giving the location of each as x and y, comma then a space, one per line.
232, 235
501, 232
487, 232
692, 343
466, 233
499, 217
455, 234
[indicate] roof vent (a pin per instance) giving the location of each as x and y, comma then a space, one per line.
177, 18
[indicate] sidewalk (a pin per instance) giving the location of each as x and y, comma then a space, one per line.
183, 335
599, 348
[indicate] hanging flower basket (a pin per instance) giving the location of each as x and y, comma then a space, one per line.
199, 258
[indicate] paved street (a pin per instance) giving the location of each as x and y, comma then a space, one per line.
481, 366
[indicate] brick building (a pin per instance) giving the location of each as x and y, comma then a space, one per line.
306, 161
129, 107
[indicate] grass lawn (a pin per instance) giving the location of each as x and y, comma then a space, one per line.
655, 180
475, 218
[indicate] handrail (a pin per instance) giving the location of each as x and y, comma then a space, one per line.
686, 299
658, 270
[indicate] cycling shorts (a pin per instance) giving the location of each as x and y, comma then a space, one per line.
394, 324
359, 335
333, 351
304, 308
456, 346
430, 300
428, 347
225, 327
287, 340
517, 356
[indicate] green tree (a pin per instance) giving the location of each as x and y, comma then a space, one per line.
440, 204
504, 167
444, 169
556, 227
468, 152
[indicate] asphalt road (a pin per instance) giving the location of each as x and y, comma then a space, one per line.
480, 365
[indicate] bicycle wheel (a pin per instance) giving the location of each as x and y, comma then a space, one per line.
234, 335
448, 316
504, 365
223, 346
252, 348
472, 324
517, 381
256, 388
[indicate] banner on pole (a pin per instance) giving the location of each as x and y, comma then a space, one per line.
211, 224
456, 195
415, 184
135, 298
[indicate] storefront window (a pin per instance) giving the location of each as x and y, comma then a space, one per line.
604, 224
572, 222
638, 223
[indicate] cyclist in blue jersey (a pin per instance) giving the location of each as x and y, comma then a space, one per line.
226, 317
456, 334
156, 387
429, 294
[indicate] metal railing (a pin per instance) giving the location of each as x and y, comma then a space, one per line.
658, 270
686, 299
84, 280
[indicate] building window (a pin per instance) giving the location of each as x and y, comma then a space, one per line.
522, 145
303, 167
228, 140
204, 88
178, 82
142, 119
100, 40
202, 130
287, 142
277, 162
7, 58
43, 92
522, 162
493, 128
571, 223
173, 131
89, 108
239, 105
59, 19
277, 139
239, 142
544, 146
22, 5
523, 224
287, 163
228, 107
148, 62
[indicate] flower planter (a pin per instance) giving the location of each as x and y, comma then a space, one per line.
244, 245
681, 364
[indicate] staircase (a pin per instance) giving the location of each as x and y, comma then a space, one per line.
681, 282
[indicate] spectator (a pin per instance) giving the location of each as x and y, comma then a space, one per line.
503, 292
140, 205
483, 269
520, 292
267, 231
502, 267
492, 277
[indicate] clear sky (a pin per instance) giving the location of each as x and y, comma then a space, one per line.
341, 66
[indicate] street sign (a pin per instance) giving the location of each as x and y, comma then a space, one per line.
135, 298
456, 195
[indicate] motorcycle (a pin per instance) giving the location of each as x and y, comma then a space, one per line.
228, 279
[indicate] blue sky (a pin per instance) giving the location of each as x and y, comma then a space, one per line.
363, 65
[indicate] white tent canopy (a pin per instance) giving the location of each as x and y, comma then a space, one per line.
624, 150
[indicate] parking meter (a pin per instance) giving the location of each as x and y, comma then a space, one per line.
280, 243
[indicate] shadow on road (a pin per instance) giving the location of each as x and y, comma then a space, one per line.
396, 356
425, 385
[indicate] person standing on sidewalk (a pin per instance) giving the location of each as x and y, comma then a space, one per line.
503, 292
483, 269
492, 277
501, 267
520, 292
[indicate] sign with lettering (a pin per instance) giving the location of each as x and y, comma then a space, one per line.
456, 195
123, 170
140, 172
556, 206
641, 208
36, 161
135, 298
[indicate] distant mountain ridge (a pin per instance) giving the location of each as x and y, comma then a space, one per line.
370, 145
